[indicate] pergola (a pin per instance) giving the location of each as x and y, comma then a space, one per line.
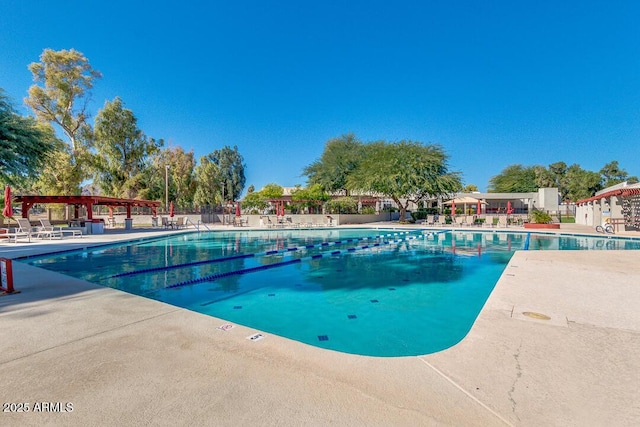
87, 201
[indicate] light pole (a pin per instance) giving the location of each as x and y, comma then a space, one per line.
166, 188
222, 185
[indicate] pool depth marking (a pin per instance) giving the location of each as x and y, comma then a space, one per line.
279, 264
258, 254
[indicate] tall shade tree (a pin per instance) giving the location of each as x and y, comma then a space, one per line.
404, 171
209, 183
612, 174
182, 182
311, 197
221, 168
232, 166
24, 144
122, 151
514, 179
341, 156
66, 77
581, 183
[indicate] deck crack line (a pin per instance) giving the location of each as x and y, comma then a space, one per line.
516, 356
472, 397
89, 336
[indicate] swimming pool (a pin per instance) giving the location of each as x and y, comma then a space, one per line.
362, 291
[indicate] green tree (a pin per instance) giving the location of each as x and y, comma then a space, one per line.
254, 202
123, 151
231, 164
514, 179
341, 156
404, 171
310, 197
470, 188
612, 174
24, 144
221, 168
581, 183
66, 78
342, 205
209, 183
272, 191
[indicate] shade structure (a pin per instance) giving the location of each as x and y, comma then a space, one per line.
8, 210
238, 212
171, 210
464, 201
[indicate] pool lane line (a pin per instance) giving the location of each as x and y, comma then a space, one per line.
216, 276
258, 254
526, 242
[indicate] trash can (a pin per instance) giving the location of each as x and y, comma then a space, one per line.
97, 226
128, 223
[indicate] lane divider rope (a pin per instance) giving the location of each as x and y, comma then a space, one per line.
213, 277
258, 254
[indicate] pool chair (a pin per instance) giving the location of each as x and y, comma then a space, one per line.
460, 220
502, 221
49, 231
488, 221
428, 221
442, 220
23, 230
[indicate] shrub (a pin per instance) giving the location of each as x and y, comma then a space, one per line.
540, 217
342, 205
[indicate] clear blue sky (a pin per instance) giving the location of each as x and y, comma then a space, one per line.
494, 82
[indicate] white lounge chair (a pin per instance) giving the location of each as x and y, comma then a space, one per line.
50, 231
23, 230
428, 220
460, 220
488, 221
502, 221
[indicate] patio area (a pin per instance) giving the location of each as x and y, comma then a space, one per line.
117, 356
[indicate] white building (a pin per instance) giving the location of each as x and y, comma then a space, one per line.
620, 204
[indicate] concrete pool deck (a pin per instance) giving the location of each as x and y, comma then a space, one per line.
127, 360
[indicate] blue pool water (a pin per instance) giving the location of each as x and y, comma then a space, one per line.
363, 291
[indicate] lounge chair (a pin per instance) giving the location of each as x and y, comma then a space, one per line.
488, 221
460, 220
179, 223
50, 231
502, 221
23, 230
470, 220
442, 220
428, 221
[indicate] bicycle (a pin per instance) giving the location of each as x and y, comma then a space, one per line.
605, 227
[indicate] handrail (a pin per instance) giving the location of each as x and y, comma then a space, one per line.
201, 223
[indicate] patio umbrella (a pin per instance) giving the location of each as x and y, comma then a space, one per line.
238, 212
453, 208
171, 212
479, 208
509, 210
8, 210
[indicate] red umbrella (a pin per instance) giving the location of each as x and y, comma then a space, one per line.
509, 210
453, 207
171, 212
238, 213
8, 210
479, 209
